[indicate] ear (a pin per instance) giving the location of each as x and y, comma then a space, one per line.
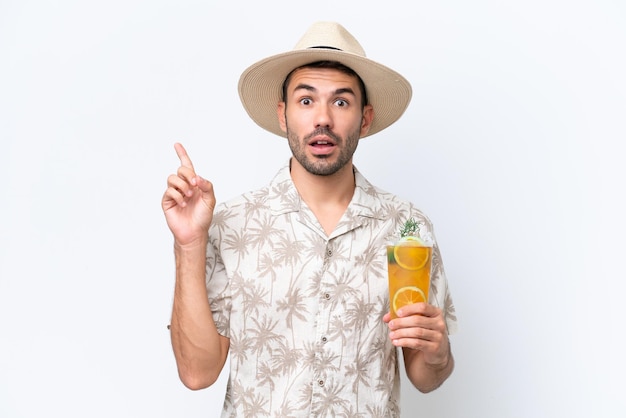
366, 120
282, 118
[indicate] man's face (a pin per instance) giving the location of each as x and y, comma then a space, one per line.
323, 118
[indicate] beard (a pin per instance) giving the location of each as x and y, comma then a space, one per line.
322, 165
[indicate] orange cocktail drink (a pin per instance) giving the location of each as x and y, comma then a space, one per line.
408, 264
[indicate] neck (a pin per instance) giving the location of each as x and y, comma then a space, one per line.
326, 196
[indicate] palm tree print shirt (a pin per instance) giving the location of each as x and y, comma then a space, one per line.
303, 310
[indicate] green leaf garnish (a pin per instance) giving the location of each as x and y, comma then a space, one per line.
410, 227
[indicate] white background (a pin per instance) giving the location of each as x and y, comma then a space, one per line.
512, 145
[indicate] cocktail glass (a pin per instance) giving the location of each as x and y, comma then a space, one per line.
409, 264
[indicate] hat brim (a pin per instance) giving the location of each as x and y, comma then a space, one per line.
260, 86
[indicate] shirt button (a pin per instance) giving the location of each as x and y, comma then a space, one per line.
329, 252
320, 382
327, 296
324, 339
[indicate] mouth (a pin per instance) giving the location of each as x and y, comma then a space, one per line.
321, 141
322, 146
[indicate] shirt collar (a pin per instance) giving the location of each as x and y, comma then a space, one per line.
284, 198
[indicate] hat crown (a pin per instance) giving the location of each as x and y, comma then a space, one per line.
330, 35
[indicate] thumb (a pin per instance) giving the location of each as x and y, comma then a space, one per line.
208, 194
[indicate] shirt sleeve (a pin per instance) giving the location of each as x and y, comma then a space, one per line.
218, 284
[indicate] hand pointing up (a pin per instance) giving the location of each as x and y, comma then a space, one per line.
188, 202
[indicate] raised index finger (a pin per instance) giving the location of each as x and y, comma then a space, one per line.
182, 155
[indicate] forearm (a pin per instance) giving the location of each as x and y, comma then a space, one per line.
199, 349
426, 377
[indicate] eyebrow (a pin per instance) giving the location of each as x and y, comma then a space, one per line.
308, 87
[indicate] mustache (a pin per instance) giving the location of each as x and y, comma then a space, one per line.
323, 131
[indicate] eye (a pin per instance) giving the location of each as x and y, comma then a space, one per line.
341, 103
305, 101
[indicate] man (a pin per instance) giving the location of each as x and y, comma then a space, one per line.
291, 279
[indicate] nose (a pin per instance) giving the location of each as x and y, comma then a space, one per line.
323, 117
